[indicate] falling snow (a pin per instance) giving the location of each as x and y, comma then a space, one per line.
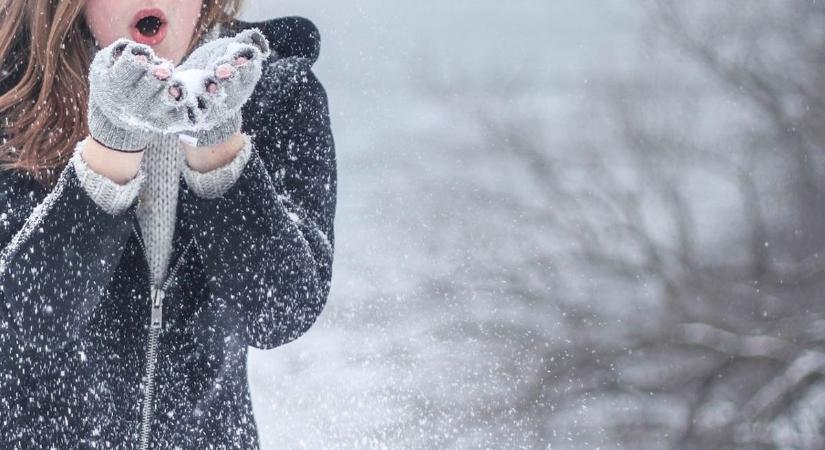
555, 225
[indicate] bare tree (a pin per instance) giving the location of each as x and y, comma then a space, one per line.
675, 264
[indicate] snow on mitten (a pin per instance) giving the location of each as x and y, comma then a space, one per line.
217, 79
129, 96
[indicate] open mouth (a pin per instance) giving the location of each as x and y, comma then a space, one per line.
149, 26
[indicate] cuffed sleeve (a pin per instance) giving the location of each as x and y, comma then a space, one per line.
112, 197
214, 183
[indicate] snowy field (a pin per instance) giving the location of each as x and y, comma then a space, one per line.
387, 365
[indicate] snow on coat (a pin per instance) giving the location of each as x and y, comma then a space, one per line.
250, 268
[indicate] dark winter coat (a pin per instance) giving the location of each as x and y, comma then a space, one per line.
251, 268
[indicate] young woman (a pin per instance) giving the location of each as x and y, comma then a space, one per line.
167, 199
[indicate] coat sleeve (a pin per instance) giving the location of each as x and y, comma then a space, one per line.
267, 243
59, 253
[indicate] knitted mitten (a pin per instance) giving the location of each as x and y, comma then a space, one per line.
129, 96
216, 80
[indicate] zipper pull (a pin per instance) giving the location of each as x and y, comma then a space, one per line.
158, 295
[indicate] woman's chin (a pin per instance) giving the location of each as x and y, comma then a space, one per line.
171, 54
166, 54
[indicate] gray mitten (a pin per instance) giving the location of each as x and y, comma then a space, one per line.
216, 80
130, 100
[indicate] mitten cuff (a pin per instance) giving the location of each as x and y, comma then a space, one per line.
105, 132
216, 182
112, 197
220, 133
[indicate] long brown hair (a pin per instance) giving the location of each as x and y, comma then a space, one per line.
45, 51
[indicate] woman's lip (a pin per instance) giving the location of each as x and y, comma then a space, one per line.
148, 40
144, 13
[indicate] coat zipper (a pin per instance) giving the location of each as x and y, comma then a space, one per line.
157, 295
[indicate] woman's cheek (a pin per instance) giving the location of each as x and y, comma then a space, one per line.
106, 20
183, 19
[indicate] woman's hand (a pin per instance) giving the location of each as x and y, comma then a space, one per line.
218, 78
132, 96
135, 94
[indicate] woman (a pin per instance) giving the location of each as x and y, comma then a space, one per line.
147, 240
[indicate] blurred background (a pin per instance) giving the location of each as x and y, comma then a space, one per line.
565, 224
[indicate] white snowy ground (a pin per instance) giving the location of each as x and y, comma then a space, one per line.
374, 372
